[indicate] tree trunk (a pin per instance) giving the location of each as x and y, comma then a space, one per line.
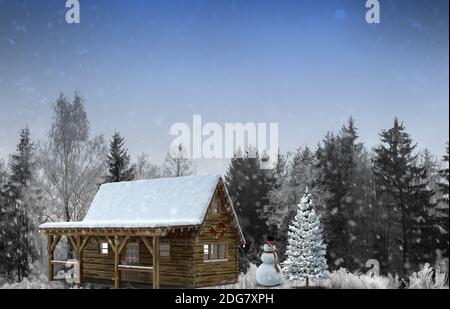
307, 282
405, 244
404, 235
70, 248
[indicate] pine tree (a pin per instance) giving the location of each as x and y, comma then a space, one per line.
119, 168
3, 173
306, 250
444, 183
428, 161
299, 174
340, 164
443, 206
407, 198
3, 218
20, 209
234, 180
248, 187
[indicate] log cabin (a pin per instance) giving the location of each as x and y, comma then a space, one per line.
173, 232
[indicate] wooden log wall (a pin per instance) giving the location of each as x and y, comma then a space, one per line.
175, 271
219, 272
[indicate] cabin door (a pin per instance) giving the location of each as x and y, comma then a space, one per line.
131, 258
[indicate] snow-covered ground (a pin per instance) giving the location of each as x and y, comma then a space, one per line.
341, 279
39, 283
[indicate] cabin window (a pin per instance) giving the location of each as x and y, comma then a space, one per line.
215, 207
131, 258
104, 248
132, 254
215, 252
205, 252
164, 250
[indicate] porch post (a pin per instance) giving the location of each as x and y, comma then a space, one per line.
156, 262
82, 244
116, 263
50, 257
52, 242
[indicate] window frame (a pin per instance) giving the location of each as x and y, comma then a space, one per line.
132, 257
168, 250
129, 259
212, 252
102, 249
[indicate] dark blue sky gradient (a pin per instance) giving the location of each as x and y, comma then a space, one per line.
143, 65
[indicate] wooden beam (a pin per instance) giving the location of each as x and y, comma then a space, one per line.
50, 240
141, 269
55, 242
111, 244
156, 262
82, 243
147, 244
79, 244
115, 244
85, 242
116, 262
158, 256
74, 242
63, 263
123, 244
52, 243
103, 232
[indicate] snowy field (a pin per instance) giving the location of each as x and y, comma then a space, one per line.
341, 279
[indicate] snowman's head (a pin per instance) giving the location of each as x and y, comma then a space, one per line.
269, 247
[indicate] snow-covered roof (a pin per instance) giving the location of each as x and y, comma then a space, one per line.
181, 201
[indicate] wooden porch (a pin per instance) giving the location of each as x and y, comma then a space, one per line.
117, 240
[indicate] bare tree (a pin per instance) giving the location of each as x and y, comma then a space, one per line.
145, 169
72, 163
177, 164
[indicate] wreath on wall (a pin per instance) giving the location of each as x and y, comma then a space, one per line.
218, 230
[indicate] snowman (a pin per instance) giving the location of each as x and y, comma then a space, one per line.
269, 273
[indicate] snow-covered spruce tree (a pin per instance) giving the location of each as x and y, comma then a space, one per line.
407, 200
299, 173
306, 250
443, 206
3, 172
3, 217
119, 168
344, 180
21, 197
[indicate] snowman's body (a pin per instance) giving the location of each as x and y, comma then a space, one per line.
269, 274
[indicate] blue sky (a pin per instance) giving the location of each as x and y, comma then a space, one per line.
143, 65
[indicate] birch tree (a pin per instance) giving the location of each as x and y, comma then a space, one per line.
145, 169
72, 163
